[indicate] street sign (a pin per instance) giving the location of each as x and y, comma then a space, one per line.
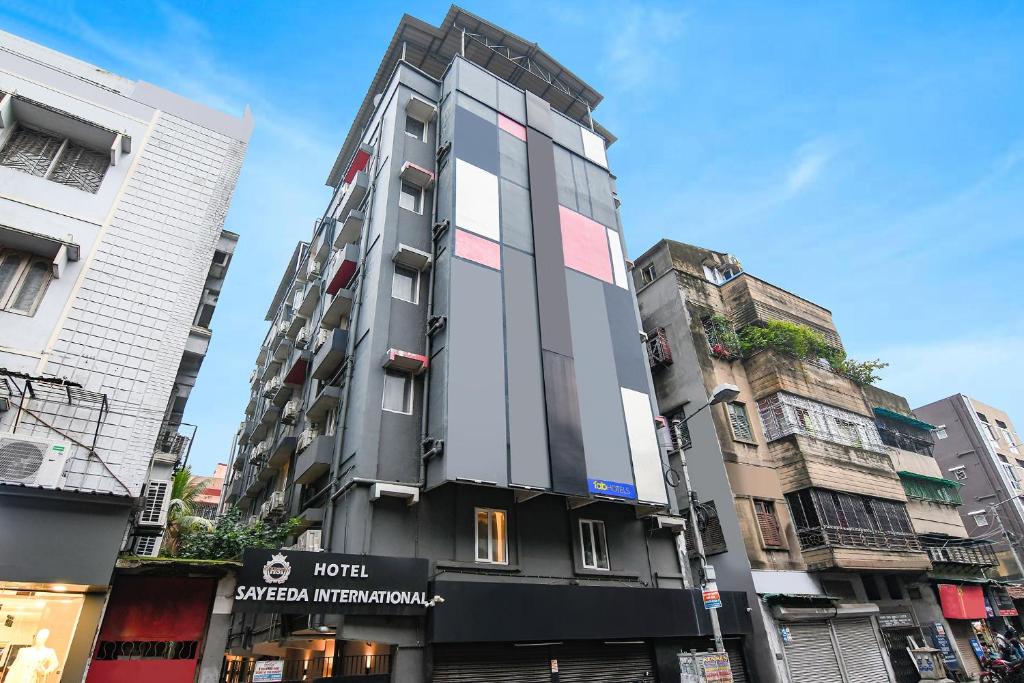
704, 667
716, 668
268, 672
712, 598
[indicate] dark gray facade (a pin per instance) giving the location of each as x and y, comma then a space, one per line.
495, 370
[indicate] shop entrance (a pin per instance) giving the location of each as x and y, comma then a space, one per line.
583, 662
36, 629
895, 640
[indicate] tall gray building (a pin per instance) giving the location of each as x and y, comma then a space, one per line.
455, 372
113, 195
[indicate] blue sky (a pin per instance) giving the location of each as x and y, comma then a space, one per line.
866, 155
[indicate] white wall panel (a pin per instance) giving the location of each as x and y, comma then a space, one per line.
643, 444
476, 200
618, 261
593, 147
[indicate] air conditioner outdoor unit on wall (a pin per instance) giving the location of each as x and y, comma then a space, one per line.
309, 541
148, 546
32, 461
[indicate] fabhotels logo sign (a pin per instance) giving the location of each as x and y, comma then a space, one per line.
277, 569
603, 487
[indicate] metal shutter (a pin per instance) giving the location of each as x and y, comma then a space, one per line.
960, 634
483, 664
810, 655
861, 651
603, 663
734, 646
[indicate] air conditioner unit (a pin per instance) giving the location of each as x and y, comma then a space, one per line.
31, 461
265, 510
290, 411
313, 271
321, 336
271, 387
154, 504
305, 438
276, 501
302, 338
309, 541
147, 546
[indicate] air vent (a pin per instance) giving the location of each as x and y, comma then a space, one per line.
32, 462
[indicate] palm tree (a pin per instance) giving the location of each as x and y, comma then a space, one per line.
181, 511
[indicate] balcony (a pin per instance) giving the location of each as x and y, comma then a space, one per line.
905, 442
770, 372
326, 400
292, 327
330, 354
961, 554
751, 301
270, 369
339, 307
349, 229
267, 420
353, 193
315, 459
278, 456
282, 350
198, 342
171, 445
310, 298
342, 268
297, 366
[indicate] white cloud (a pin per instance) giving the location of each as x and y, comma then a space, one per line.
811, 160
640, 47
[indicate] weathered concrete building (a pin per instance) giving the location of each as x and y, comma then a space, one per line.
824, 494
113, 195
454, 371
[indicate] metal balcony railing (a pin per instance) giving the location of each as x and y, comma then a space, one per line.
241, 670
824, 536
659, 353
897, 439
172, 442
972, 555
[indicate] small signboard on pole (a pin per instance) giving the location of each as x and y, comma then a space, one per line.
712, 598
268, 672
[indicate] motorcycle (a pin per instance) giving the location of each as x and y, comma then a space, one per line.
998, 670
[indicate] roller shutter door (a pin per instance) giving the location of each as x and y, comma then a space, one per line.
961, 633
861, 651
482, 664
602, 663
739, 669
810, 655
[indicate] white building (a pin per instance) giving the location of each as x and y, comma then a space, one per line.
113, 195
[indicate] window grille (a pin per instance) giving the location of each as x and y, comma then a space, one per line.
740, 422
784, 414
58, 159
768, 522
710, 530
680, 432
830, 518
722, 340
659, 353
930, 491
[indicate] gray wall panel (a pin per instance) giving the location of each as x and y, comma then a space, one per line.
630, 358
566, 132
513, 158
604, 430
538, 114
511, 102
475, 447
476, 140
474, 81
602, 203
565, 433
516, 224
528, 446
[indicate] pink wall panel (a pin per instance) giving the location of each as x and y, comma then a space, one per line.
585, 245
510, 126
478, 249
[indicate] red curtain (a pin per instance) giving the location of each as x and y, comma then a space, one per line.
962, 602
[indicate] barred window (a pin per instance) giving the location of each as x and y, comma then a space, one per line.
23, 280
824, 517
784, 414
679, 430
710, 530
55, 158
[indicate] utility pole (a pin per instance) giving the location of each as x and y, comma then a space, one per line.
1006, 536
698, 542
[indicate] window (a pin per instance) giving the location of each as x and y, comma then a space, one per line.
959, 473
648, 273
739, 421
54, 158
593, 544
23, 281
940, 433
491, 536
411, 198
871, 588
894, 587
397, 392
719, 276
415, 128
768, 522
679, 430
711, 533
406, 284
979, 517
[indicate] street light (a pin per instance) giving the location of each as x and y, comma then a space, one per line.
723, 393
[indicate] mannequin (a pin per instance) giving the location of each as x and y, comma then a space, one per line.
33, 664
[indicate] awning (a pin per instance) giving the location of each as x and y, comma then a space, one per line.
962, 602
776, 598
924, 477
1015, 592
59, 250
905, 419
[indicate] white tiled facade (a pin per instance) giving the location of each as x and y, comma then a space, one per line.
117, 321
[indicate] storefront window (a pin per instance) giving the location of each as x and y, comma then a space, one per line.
36, 629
